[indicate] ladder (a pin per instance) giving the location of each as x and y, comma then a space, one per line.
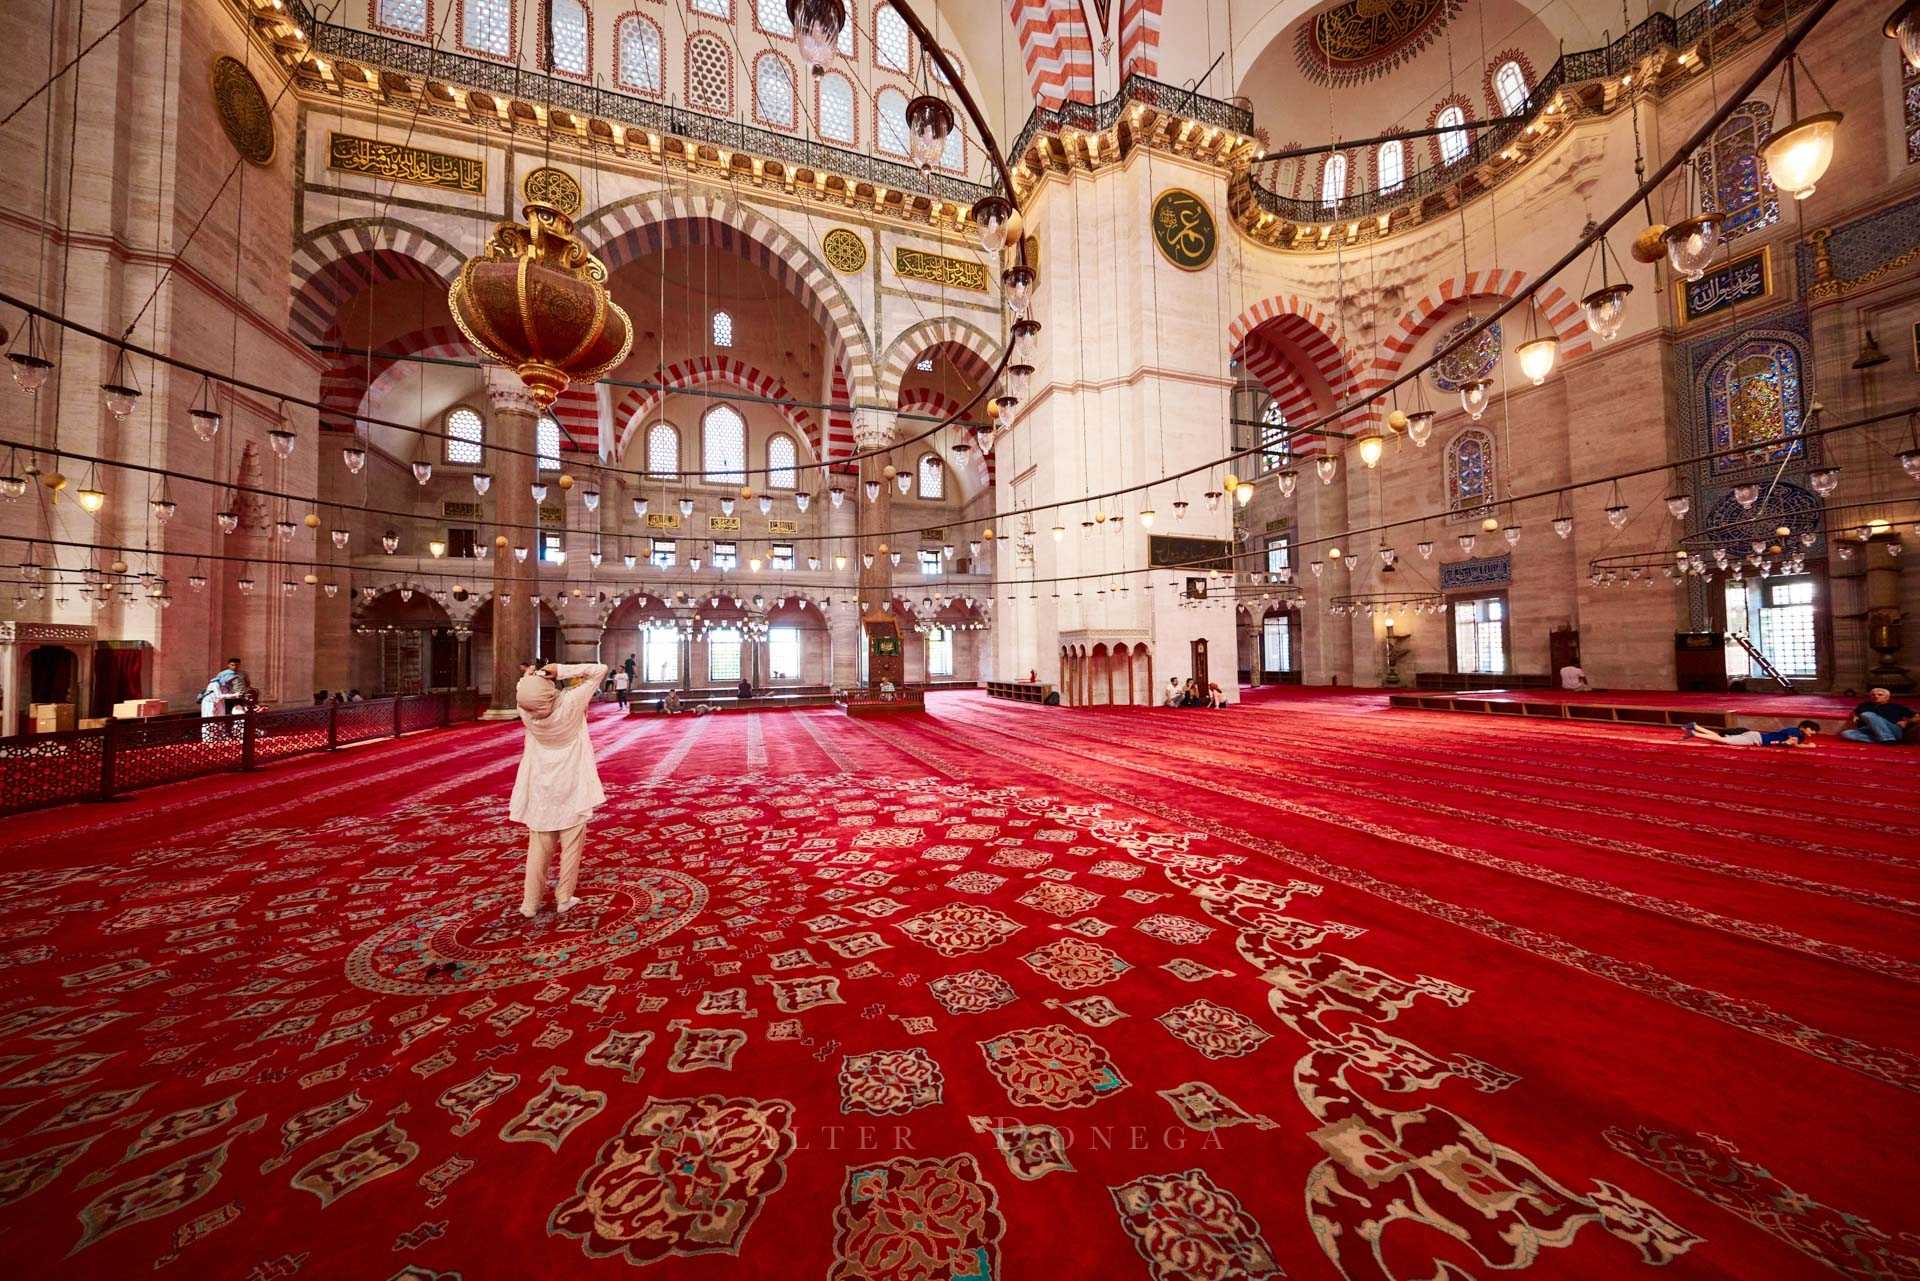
1760, 660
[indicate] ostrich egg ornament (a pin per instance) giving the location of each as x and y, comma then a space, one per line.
536, 301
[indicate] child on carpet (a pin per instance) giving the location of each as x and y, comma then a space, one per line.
1800, 735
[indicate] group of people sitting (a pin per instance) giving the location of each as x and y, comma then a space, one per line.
1191, 694
1878, 720
321, 697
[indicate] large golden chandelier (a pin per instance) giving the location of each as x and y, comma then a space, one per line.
536, 301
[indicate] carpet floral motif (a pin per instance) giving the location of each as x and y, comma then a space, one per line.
1186, 1226
889, 1082
913, 1219
1076, 963
1051, 1067
1214, 1030
960, 928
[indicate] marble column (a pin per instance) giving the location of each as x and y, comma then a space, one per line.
514, 413
874, 430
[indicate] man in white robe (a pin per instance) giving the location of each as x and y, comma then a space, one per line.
558, 785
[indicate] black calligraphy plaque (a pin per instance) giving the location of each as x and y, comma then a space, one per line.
1167, 552
1741, 280
1184, 229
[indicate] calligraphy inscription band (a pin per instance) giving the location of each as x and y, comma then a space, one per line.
397, 163
937, 269
1744, 280
1184, 229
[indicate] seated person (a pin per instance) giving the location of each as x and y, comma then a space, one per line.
1190, 694
1800, 735
1215, 697
671, 703
1173, 692
1574, 677
1879, 719
745, 689
886, 691
320, 698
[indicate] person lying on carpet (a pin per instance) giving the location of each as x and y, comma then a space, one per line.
1800, 735
557, 787
1879, 719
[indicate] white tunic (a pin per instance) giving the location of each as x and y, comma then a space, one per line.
558, 785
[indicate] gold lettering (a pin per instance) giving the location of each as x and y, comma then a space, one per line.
398, 163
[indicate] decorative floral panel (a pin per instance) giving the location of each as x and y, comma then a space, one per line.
1475, 360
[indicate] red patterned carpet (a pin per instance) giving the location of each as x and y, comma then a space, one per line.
1303, 988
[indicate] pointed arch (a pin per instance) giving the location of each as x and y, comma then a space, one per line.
1057, 48
923, 400
334, 262
963, 338
1294, 350
629, 229
350, 382
1558, 310
636, 407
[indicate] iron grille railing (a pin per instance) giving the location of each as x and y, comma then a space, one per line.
369, 48
1095, 117
38, 770
1658, 31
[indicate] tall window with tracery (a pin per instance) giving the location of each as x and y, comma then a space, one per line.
570, 40
663, 450
486, 26
1910, 108
637, 65
709, 75
773, 90
1454, 143
890, 121
771, 15
1733, 179
464, 432
1393, 165
408, 17
836, 117
846, 29
1510, 83
1470, 472
723, 329
783, 461
723, 443
1333, 180
1276, 443
1755, 402
933, 477
892, 44
546, 443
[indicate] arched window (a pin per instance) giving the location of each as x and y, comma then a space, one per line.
892, 46
464, 433
1276, 442
405, 17
712, 8
835, 116
771, 17
546, 443
486, 26
1733, 180
933, 477
1510, 83
1454, 142
1470, 477
954, 155
846, 29
571, 43
783, 459
773, 90
637, 66
1393, 165
663, 450
1755, 399
709, 75
1333, 180
723, 444
890, 121
723, 329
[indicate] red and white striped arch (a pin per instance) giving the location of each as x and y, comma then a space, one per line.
340, 260
1057, 47
350, 382
1140, 37
924, 400
1291, 347
1559, 310
637, 407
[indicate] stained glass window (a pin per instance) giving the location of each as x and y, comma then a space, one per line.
570, 37
890, 111
933, 477
663, 450
1754, 401
463, 436
836, 108
409, 16
891, 43
1910, 96
709, 75
1474, 359
1453, 143
1393, 165
723, 435
772, 17
1333, 180
486, 26
1733, 180
1511, 84
546, 443
1275, 441
639, 64
1470, 478
773, 90
782, 458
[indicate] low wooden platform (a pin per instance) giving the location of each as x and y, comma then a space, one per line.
650, 705
1020, 691
1634, 707
859, 702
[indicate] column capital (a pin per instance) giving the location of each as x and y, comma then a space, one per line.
508, 395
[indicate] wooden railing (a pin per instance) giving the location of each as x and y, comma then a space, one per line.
38, 770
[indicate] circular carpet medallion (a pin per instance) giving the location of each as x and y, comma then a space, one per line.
482, 942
